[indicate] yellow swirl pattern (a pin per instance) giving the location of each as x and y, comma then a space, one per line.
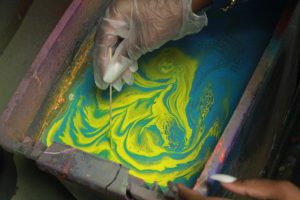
152, 132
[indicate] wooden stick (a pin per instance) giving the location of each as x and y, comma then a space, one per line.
110, 102
110, 93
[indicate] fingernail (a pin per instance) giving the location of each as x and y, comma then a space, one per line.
223, 178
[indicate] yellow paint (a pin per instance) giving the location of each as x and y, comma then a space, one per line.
142, 128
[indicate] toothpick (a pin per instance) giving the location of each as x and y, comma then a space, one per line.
110, 104
110, 92
110, 100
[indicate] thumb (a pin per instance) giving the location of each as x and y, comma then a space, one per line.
264, 189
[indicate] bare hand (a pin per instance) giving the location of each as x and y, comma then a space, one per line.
265, 189
258, 189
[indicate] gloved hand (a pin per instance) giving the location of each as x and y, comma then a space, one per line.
131, 28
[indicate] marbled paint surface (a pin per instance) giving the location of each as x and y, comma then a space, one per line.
166, 125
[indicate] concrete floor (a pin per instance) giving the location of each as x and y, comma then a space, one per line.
24, 27
11, 17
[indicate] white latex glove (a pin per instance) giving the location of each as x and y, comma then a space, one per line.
132, 28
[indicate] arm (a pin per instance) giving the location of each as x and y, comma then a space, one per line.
256, 188
199, 4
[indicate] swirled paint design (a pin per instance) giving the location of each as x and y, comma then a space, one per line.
153, 131
166, 125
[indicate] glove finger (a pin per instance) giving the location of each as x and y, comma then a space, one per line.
117, 20
101, 60
118, 28
128, 77
134, 67
98, 79
118, 64
118, 85
111, 27
128, 74
126, 55
103, 43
